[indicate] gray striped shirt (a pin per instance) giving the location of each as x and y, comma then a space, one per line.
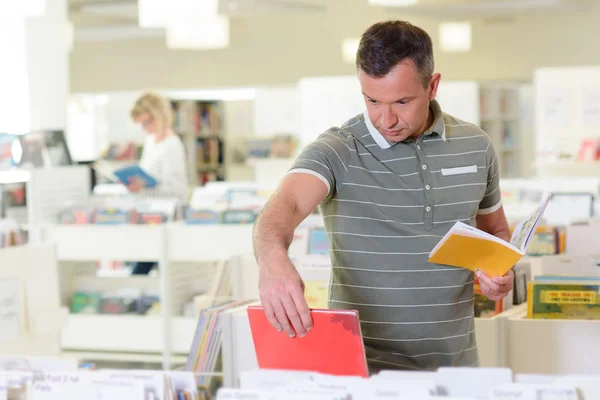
388, 205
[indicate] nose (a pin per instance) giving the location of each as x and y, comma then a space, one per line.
388, 119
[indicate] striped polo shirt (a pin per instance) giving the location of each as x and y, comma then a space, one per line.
388, 205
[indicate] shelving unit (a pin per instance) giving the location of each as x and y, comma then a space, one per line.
567, 113
182, 253
501, 110
32, 317
200, 124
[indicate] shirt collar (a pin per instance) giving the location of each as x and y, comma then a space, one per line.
438, 126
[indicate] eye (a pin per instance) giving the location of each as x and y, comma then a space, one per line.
402, 102
372, 101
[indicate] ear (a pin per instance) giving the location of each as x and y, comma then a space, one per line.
434, 82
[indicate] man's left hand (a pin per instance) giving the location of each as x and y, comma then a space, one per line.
498, 287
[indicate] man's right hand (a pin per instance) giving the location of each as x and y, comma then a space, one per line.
282, 297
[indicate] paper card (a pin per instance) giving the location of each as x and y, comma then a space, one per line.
406, 375
11, 303
17, 378
588, 385
268, 379
534, 378
115, 390
62, 391
153, 381
374, 388
226, 394
105, 388
523, 391
465, 381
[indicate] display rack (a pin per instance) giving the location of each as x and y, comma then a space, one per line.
567, 114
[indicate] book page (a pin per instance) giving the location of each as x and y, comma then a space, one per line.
524, 231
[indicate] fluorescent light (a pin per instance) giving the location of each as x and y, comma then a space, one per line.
202, 34
167, 13
455, 36
349, 49
225, 94
23, 8
393, 3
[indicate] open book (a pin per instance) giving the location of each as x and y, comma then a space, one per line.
468, 247
125, 174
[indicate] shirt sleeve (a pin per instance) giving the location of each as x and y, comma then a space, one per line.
172, 177
492, 200
325, 158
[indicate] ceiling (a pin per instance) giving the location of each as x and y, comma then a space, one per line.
110, 19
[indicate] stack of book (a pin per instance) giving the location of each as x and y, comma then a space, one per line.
205, 353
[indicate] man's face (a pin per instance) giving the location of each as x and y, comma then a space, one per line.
398, 103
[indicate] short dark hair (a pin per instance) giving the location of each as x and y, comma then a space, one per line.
383, 45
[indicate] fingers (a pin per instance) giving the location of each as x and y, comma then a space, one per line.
270, 314
504, 280
495, 288
303, 310
293, 316
282, 318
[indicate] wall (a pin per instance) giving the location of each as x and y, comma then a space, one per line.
268, 50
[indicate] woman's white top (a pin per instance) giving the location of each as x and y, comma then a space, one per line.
166, 162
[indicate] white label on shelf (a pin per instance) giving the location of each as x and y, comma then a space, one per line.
10, 306
470, 169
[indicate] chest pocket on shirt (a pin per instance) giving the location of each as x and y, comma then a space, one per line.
470, 169
458, 191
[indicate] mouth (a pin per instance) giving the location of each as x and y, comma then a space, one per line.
392, 133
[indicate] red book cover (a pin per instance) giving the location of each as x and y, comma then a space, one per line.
334, 346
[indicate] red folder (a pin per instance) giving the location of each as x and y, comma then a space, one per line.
334, 346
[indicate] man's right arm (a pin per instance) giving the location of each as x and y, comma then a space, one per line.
280, 285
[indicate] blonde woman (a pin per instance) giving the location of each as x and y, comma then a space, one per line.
163, 155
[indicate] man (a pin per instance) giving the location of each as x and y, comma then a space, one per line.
390, 184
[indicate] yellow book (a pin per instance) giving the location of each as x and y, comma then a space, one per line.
468, 247
316, 293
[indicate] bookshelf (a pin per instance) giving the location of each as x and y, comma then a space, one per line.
502, 110
200, 125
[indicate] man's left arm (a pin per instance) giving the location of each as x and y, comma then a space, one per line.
491, 219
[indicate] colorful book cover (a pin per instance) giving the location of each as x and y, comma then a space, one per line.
334, 346
134, 172
318, 243
564, 299
316, 293
484, 307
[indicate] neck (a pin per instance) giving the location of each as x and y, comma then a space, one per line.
427, 124
159, 137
